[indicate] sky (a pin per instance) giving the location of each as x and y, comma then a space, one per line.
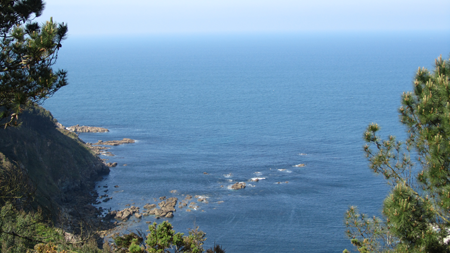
142, 17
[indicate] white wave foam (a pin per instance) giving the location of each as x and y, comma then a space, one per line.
228, 175
256, 179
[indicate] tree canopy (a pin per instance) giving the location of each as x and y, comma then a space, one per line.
28, 51
416, 213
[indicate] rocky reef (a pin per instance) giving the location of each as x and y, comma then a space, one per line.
87, 129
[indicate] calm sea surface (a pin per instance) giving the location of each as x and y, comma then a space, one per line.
249, 105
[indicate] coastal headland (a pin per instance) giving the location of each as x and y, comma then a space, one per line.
67, 172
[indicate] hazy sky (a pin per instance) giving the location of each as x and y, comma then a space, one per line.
117, 17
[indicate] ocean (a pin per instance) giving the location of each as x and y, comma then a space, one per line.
238, 106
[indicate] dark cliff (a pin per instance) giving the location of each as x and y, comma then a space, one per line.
58, 164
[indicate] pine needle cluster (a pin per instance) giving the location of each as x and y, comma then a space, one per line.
28, 51
416, 213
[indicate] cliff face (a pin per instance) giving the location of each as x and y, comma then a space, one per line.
57, 162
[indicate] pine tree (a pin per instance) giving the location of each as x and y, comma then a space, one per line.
416, 213
28, 52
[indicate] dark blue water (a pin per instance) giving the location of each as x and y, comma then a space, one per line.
243, 104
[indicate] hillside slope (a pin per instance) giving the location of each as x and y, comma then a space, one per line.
61, 168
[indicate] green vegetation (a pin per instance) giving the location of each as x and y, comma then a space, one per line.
21, 231
25, 233
28, 52
416, 213
161, 239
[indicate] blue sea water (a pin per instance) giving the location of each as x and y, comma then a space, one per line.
242, 104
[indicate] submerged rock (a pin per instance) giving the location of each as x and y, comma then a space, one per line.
107, 199
193, 205
111, 165
202, 199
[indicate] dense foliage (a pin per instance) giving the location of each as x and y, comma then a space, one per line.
161, 239
28, 52
416, 213
20, 231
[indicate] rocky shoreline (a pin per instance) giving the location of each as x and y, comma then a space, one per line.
165, 207
77, 204
99, 148
60, 171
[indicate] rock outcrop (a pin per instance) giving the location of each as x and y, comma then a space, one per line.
98, 150
115, 142
111, 165
127, 212
166, 208
87, 129
238, 186
149, 206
